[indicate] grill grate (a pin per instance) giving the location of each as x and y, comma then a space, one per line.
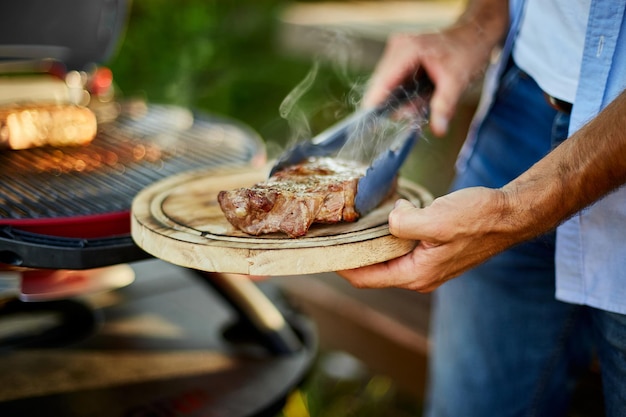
142, 145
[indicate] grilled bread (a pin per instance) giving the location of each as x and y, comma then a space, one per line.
28, 126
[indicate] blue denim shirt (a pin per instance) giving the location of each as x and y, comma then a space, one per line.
591, 246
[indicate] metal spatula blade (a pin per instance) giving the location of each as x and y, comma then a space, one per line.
419, 88
326, 143
375, 185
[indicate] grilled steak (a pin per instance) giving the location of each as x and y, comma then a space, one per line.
318, 190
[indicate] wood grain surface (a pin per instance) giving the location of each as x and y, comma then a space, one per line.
179, 220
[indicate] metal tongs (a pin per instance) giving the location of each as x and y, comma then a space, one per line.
374, 186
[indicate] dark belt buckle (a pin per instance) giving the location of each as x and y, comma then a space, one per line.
557, 104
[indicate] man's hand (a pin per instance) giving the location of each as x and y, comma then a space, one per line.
455, 233
464, 228
453, 59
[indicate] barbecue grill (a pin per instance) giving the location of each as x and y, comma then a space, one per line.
69, 207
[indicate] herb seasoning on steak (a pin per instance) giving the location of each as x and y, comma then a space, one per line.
318, 190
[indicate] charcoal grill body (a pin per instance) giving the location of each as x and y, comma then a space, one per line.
70, 207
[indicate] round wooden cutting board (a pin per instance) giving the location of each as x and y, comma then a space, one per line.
179, 220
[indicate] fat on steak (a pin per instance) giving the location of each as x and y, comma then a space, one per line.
318, 190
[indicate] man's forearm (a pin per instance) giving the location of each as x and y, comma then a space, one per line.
489, 17
583, 169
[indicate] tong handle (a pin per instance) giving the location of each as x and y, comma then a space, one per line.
374, 186
418, 86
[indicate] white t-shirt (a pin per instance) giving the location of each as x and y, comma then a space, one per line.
550, 49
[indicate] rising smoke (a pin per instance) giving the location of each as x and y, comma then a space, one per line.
373, 134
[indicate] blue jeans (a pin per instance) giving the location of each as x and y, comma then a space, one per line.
502, 345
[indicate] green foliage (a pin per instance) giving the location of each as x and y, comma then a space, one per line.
219, 56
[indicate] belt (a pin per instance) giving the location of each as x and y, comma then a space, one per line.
558, 104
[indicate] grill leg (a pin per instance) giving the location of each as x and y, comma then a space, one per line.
255, 311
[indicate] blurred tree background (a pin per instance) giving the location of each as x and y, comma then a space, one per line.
222, 57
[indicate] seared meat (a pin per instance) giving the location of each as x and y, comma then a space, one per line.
319, 190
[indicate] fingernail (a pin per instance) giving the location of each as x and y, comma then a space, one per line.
439, 124
401, 202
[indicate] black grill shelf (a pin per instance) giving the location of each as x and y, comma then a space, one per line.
33, 250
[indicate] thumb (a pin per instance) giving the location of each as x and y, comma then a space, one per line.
401, 217
407, 221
